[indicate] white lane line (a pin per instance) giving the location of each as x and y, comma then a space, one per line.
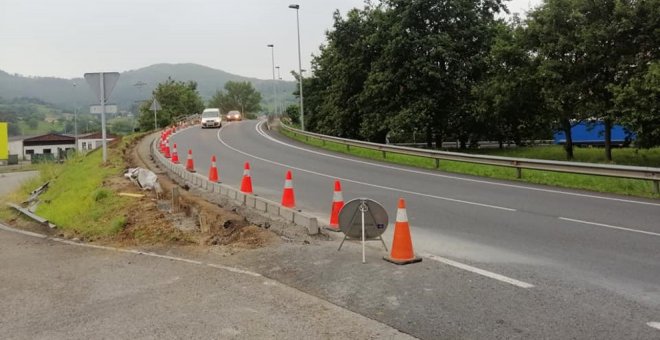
655, 325
459, 178
28, 233
610, 226
362, 183
130, 251
479, 271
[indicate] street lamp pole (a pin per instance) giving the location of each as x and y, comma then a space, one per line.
302, 110
75, 116
277, 97
272, 52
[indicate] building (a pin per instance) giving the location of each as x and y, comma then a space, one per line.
92, 141
53, 143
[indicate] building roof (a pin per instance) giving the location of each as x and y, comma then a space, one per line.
97, 135
51, 137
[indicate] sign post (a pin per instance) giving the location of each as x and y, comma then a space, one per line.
102, 84
155, 105
371, 224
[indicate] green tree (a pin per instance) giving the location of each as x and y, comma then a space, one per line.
176, 98
239, 96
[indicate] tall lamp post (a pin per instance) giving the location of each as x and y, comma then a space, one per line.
302, 110
277, 84
75, 116
272, 53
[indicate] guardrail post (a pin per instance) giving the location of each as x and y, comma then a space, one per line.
437, 163
518, 169
307, 138
656, 186
323, 141
384, 154
348, 147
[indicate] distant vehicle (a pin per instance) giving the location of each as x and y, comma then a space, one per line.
234, 115
593, 133
211, 118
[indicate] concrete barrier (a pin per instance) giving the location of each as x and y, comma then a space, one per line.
255, 203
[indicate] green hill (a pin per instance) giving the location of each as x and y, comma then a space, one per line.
62, 93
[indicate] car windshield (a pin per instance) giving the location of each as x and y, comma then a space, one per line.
209, 114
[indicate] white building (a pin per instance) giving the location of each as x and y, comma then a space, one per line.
52, 143
92, 141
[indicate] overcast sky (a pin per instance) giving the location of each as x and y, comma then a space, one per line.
66, 38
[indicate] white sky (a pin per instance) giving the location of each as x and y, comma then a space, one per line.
66, 38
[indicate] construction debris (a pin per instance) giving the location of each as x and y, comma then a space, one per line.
144, 179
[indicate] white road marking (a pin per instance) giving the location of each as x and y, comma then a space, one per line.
479, 271
361, 183
28, 233
265, 135
655, 325
131, 251
610, 226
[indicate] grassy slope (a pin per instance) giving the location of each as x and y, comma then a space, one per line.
595, 183
76, 199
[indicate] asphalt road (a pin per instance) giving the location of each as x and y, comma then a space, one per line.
534, 237
53, 290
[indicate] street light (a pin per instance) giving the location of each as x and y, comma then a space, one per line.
272, 52
302, 111
75, 116
279, 104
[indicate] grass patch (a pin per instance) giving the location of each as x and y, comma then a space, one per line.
595, 183
622, 156
76, 199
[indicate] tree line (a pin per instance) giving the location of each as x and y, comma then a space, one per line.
452, 70
179, 98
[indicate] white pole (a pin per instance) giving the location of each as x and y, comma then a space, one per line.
272, 50
363, 209
103, 135
302, 110
75, 116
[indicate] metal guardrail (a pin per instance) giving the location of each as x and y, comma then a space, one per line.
620, 171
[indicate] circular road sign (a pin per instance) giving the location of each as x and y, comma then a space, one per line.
375, 218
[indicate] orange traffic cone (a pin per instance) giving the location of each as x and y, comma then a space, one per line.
288, 198
190, 166
175, 155
167, 148
402, 248
246, 184
337, 204
213, 172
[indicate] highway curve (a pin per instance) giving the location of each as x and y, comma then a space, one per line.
526, 235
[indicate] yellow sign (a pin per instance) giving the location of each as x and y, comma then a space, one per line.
4, 142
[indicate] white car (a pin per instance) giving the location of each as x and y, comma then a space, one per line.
211, 118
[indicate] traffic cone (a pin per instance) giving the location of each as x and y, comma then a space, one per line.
167, 148
213, 172
175, 155
337, 204
402, 248
288, 198
190, 166
246, 183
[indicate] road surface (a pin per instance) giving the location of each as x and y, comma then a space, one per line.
532, 237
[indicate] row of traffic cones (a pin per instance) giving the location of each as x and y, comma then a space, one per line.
402, 248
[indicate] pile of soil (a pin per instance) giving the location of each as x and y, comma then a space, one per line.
191, 220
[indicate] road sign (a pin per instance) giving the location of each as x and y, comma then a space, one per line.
96, 109
109, 82
365, 219
102, 84
155, 105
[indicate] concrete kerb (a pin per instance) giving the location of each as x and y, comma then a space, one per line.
254, 203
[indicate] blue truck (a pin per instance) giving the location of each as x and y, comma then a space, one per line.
593, 133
